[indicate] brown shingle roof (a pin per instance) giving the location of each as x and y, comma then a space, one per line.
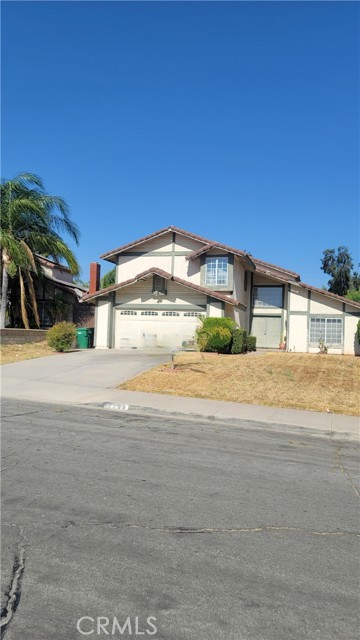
260, 264
264, 267
109, 254
167, 276
329, 294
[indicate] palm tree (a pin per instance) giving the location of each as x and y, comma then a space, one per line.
31, 221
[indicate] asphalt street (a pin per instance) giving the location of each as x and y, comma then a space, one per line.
212, 531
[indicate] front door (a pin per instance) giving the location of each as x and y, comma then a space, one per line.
267, 330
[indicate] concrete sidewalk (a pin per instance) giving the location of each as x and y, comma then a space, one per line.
89, 378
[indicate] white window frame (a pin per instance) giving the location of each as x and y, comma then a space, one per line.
149, 313
215, 277
170, 313
326, 324
128, 312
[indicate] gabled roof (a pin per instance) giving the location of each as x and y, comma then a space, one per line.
329, 294
110, 255
164, 274
268, 268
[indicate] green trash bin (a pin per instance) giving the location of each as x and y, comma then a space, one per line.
82, 337
91, 337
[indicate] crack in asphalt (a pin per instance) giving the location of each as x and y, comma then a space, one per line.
17, 415
341, 467
261, 529
188, 530
13, 592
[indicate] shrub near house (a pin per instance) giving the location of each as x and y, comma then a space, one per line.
222, 335
61, 336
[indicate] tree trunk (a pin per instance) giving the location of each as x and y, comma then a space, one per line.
4, 291
24, 315
33, 298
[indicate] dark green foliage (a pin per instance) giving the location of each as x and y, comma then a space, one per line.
338, 265
239, 341
215, 334
251, 343
358, 331
108, 279
61, 336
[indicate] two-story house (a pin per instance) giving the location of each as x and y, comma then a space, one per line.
165, 281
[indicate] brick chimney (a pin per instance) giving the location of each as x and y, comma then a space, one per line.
94, 277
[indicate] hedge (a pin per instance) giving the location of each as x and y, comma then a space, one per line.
251, 343
239, 341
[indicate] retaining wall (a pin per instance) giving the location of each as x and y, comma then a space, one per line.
22, 336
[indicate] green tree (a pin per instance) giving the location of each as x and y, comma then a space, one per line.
353, 294
108, 279
338, 265
31, 222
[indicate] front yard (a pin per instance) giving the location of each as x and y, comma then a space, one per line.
16, 352
290, 380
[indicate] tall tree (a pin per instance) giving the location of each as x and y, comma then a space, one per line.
338, 265
31, 223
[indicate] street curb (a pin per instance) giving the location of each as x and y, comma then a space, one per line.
244, 423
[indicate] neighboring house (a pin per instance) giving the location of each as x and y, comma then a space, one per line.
59, 298
167, 280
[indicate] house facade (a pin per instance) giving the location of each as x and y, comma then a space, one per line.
167, 280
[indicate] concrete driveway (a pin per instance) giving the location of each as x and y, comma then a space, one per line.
79, 377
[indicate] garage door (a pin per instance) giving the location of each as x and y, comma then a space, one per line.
153, 328
267, 331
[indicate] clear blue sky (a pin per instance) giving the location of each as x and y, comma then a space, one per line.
235, 120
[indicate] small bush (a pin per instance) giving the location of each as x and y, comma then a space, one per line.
239, 341
215, 340
322, 346
61, 336
358, 331
251, 343
215, 334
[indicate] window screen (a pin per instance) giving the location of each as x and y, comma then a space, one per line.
328, 329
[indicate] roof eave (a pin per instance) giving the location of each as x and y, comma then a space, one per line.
167, 276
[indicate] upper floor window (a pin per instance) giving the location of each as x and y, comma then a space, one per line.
159, 285
268, 297
216, 271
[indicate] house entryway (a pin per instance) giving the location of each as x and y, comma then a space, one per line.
267, 330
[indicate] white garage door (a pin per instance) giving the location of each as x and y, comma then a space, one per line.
267, 331
153, 328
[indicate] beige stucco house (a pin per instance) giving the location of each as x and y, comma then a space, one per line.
165, 281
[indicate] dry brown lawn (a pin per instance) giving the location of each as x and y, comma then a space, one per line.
16, 352
291, 380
